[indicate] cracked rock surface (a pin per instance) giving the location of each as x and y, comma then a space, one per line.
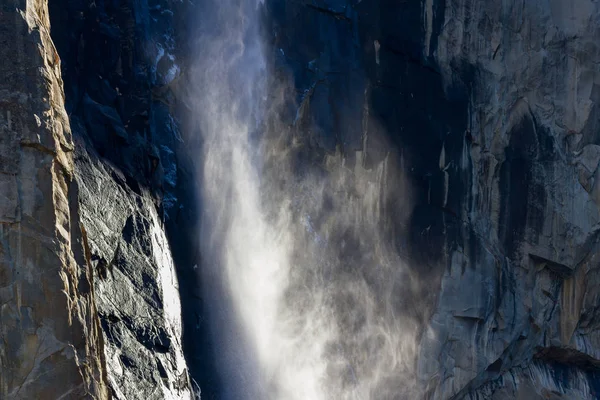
119, 61
137, 293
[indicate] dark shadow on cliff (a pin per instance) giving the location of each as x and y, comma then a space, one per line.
128, 110
339, 55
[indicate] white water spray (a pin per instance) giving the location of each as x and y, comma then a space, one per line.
306, 290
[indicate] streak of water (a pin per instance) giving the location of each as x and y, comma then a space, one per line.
306, 290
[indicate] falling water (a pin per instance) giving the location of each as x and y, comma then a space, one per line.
305, 284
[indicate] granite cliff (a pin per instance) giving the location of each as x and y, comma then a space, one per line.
489, 107
492, 109
48, 317
90, 304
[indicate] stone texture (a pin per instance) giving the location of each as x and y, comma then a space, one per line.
49, 328
136, 287
119, 64
89, 302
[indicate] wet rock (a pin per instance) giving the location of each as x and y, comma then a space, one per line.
492, 109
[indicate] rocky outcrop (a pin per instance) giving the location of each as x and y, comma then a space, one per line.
49, 327
532, 198
491, 107
119, 67
137, 293
89, 299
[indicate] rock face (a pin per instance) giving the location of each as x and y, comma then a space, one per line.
49, 326
492, 109
120, 66
136, 287
89, 300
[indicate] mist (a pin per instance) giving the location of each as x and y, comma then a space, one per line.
307, 292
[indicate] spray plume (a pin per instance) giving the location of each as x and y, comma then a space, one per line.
306, 290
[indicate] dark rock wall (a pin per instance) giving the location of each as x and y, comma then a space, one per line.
490, 107
121, 67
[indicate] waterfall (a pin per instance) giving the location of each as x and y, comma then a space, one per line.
305, 287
